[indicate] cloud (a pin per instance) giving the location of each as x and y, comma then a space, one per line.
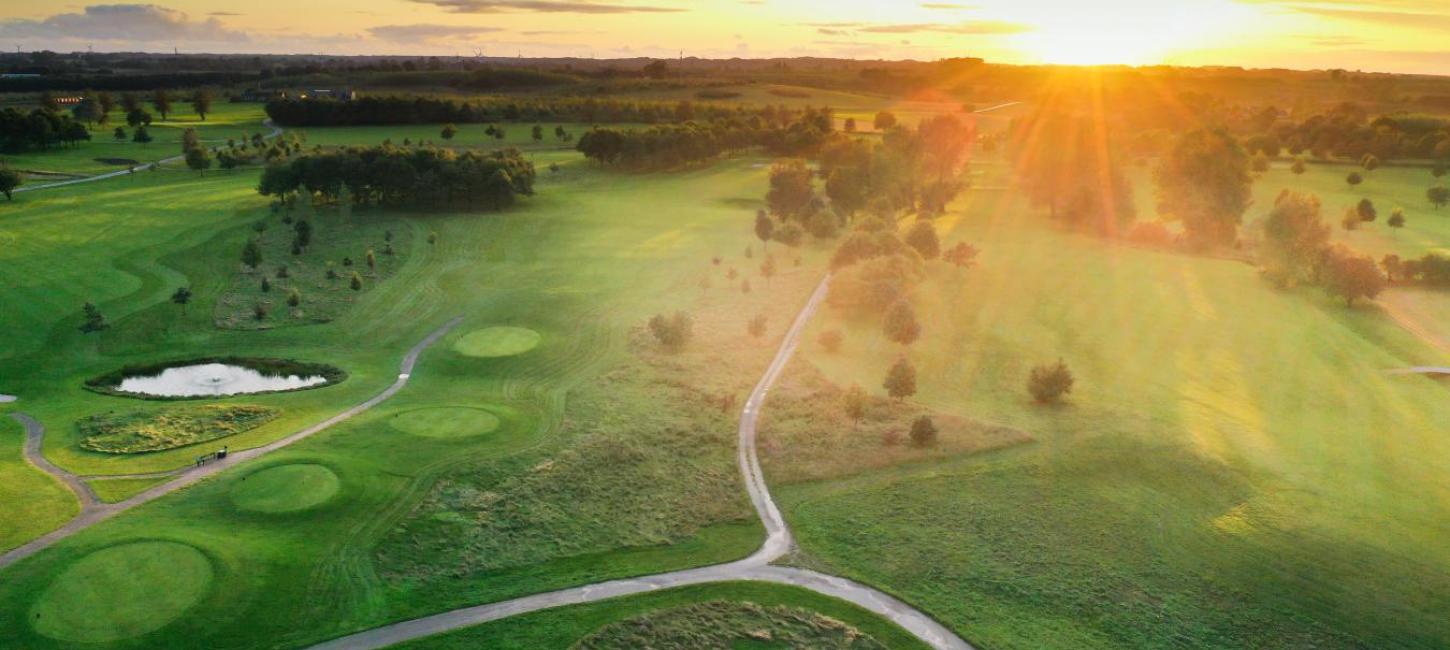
137, 23
1407, 19
543, 6
970, 27
945, 6
427, 32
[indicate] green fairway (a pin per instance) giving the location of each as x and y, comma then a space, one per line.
565, 627
446, 422
497, 342
285, 488
122, 591
1233, 463
120, 489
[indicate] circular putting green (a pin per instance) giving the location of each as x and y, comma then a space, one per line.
122, 592
285, 488
497, 342
446, 422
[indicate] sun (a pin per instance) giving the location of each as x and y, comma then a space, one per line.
1132, 32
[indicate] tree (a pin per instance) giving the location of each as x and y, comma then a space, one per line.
106, 102
854, 402
1298, 167
302, 234
767, 268
1354, 179
1366, 210
119, 134
1352, 277
1369, 162
900, 324
259, 311
1048, 383
201, 100
884, 120
1397, 218
1204, 181
294, 298
137, 117
252, 254
9, 181
850, 125
1259, 163
1063, 164
1439, 169
537, 133
161, 100
198, 159
657, 69
923, 431
1394, 267
181, 296
87, 110
94, 321
266, 285
141, 136
831, 340
756, 326
448, 131
356, 282
1438, 196
500, 189
900, 380
372, 260
1294, 235
764, 227
1350, 220
962, 256
672, 332
922, 237
791, 189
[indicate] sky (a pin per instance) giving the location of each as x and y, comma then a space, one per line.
1378, 35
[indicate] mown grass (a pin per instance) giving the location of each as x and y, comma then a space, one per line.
119, 489
35, 503
563, 628
136, 432
1233, 464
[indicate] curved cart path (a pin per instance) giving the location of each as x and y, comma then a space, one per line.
778, 542
34, 440
93, 512
276, 131
1421, 370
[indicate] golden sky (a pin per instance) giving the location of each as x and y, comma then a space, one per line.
1391, 35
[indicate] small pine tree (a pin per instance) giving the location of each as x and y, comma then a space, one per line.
252, 254
266, 285
94, 321
854, 404
372, 260
356, 282
294, 298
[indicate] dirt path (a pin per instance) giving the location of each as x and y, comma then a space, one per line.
93, 512
276, 131
757, 567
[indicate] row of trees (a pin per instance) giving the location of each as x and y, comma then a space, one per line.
1346, 132
1297, 249
419, 176
672, 145
412, 109
38, 129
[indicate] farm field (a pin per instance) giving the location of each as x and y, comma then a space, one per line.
1233, 463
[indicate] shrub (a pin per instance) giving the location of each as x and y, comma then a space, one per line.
1048, 383
672, 332
923, 431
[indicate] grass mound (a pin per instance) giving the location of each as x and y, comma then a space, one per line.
142, 431
122, 592
446, 422
286, 488
497, 342
732, 625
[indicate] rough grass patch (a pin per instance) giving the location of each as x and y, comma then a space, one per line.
138, 432
723, 624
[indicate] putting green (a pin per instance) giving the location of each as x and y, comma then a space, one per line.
122, 592
285, 488
497, 342
446, 422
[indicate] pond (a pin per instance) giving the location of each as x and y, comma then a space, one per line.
214, 379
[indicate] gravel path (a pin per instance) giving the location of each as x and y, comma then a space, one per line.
778, 542
93, 512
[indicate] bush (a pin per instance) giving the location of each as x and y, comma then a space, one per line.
923, 431
673, 332
1048, 383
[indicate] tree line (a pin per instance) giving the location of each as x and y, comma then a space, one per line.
412, 109
676, 144
38, 129
413, 177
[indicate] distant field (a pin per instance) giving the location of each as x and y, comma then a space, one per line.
1233, 464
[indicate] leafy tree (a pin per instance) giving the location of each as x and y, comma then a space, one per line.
198, 159
1352, 277
791, 189
1298, 167
850, 125
448, 132
884, 120
1397, 218
962, 256
657, 69
1048, 383
1354, 179
181, 296
137, 117
900, 324
9, 181
673, 332
87, 110
1350, 220
944, 139
1393, 266
764, 227
201, 100
537, 132
356, 282
94, 321
1369, 162
252, 254
1294, 235
923, 431
141, 135
900, 380
119, 134
1204, 181
1063, 165
302, 231
266, 285
756, 326
1438, 196
922, 237
791, 234
106, 102
161, 101
1366, 210
854, 402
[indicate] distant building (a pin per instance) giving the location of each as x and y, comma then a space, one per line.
259, 95
346, 94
